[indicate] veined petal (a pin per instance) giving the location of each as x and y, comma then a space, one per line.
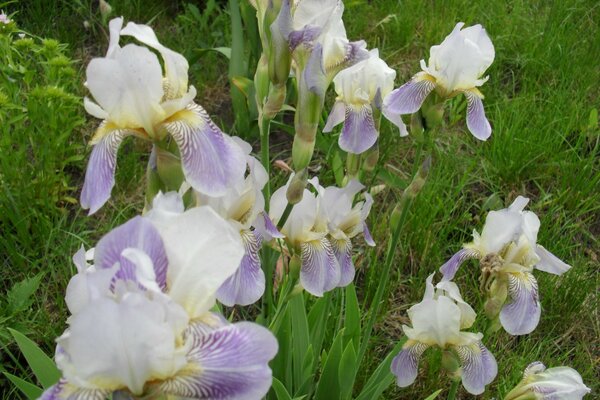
315, 76
211, 161
138, 233
405, 365
450, 267
343, 253
522, 314
336, 116
359, 133
549, 262
100, 172
230, 362
320, 271
477, 123
408, 98
63, 390
479, 367
247, 285
266, 228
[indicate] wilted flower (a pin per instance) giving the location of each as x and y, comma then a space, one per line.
508, 252
360, 89
135, 98
140, 323
539, 383
455, 66
321, 227
438, 321
243, 206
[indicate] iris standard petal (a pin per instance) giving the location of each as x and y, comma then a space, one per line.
211, 161
408, 98
367, 235
247, 285
230, 362
320, 271
343, 253
266, 228
451, 266
63, 390
478, 366
522, 314
138, 233
405, 365
549, 262
100, 172
359, 133
477, 122
336, 116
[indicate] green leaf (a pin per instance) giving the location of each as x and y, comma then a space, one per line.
392, 179
593, 119
338, 168
434, 395
31, 391
317, 318
382, 377
42, 366
329, 385
352, 318
301, 340
280, 390
19, 297
347, 371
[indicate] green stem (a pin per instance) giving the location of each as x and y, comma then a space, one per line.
264, 126
285, 215
453, 390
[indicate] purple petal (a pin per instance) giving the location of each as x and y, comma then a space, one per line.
479, 367
367, 235
336, 116
305, 36
522, 314
265, 227
549, 262
247, 285
359, 133
450, 267
226, 363
211, 161
408, 98
405, 365
320, 271
476, 120
100, 172
138, 233
343, 253
63, 390
315, 76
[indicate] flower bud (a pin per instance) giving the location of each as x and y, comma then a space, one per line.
296, 188
306, 123
294, 266
261, 81
352, 165
416, 124
497, 295
371, 158
275, 100
451, 363
419, 180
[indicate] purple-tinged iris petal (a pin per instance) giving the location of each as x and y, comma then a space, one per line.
211, 161
138, 233
343, 253
522, 314
63, 390
265, 227
367, 235
315, 76
320, 271
305, 36
100, 172
336, 116
408, 98
405, 365
359, 133
451, 266
477, 123
226, 363
479, 367
549, 262
247, 285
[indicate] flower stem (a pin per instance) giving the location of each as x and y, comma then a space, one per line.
453, 389
265, 126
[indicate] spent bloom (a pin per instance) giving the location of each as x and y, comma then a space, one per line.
243, 206
134, 97
320, 228
140, 323
455, 66
438, 321
360, 90
508, 253
539, 383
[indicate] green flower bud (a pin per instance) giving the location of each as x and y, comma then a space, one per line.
261, 81
296, 189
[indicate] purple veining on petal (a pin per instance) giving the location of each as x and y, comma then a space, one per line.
477, 123
405, 365
522, 314
355, 52
100, 172
343, 253
137, 233
408, 98
266, 228
478, 367
229, 362
211, 161
359, 133
247, 285
63, 390
305, 36
450, 267
320, 271
367, 235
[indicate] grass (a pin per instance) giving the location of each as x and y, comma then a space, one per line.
541, 96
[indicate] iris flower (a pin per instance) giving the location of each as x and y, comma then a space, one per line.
134, 97
508, 252
140, 323
438, 321
539, 383
455, 66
